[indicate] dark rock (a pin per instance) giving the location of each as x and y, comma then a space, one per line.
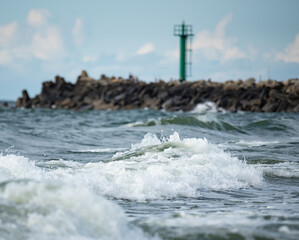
270, 106
25, 96
118, 93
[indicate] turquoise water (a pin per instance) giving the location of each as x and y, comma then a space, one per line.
144, 174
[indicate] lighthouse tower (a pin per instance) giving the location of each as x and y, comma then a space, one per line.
184, 32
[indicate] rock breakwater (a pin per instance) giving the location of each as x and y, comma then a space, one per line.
111, 93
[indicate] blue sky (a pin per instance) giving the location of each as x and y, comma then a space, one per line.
232, 39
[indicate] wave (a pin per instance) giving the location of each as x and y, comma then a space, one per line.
206, 121
273, 125
43, 210
255, 143
152, 169
99, 150
168, 168
13, 167
42, 205
282, 170
207, 107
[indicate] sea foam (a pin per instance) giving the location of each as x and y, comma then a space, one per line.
44, 205
152, 169
167, 168
207, 107
51, 211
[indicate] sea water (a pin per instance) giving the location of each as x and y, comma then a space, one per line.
144, 174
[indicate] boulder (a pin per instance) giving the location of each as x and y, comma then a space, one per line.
84, 77
119, 93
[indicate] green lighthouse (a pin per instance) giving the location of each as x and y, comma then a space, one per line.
184, 32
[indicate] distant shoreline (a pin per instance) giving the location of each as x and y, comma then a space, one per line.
115, 94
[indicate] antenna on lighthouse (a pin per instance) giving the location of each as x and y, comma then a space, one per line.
184, 32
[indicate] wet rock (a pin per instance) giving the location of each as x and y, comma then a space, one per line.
25, 96
84, 77
118, 93
270, 106
5, 104
24, 101
250, 82
68, 104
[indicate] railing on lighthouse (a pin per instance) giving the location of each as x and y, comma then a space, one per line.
184, 32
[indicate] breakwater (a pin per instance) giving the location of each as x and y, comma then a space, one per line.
111, 93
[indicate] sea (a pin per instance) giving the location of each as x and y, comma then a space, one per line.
146, 174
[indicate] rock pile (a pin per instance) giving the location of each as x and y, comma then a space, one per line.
111, 93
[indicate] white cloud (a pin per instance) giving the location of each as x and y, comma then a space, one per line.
48, 44
215, 45
5, 57
290, 53
8, 37
78, 32
121, 56
146, 49
170, 57
8, 33
37, 17
47, 41
22, 52
252, 53
44, 42
90, 58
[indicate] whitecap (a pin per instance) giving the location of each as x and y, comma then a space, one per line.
152, 169
256, 143
98, 150
56, 204
207, 107
285, 169
150, 121
50, 210
18, 167
173, 167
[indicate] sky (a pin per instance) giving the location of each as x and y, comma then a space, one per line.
233, 40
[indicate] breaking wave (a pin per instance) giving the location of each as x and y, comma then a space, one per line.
168, 168
152, 169
41, 205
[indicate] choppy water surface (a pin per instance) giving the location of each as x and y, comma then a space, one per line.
146, 174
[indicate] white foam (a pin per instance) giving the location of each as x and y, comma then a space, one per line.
223, 224
256, 143
220, 223
286, 169
208, 117
155, 169
99, 150
207, 107
151, 169
18, 167
55, 211
145, 123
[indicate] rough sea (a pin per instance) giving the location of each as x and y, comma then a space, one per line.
144, 174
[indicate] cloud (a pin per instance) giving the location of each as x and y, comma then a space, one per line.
90, 58
8, 33
21, 52
146, 49
121, 56
5, 57
216, 46
78, 32
48, 44
44, 42
290, 53
169, 57
8, 37
37, 17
